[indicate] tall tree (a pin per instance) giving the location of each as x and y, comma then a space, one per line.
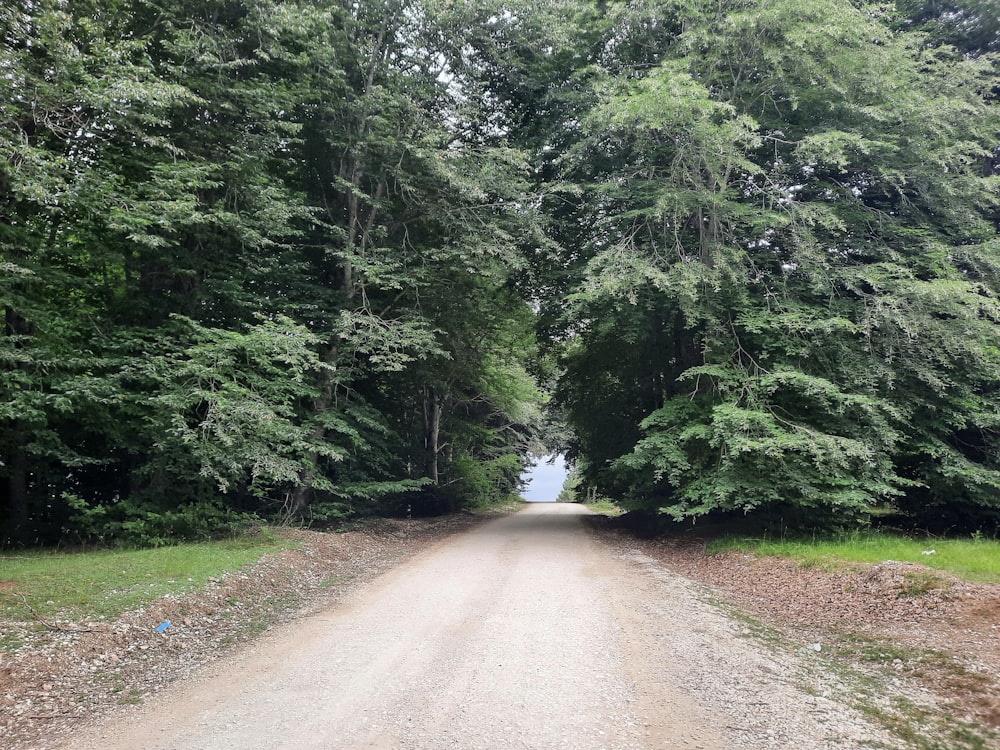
791, 195
972, 26
199, 193
73, 80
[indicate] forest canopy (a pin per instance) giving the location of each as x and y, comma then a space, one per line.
312, 259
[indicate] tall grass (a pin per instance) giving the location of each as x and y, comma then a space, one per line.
974, 559
101, 585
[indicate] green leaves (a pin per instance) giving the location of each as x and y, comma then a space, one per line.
227, 404
230, 237
292, 251
784, 286
741, 441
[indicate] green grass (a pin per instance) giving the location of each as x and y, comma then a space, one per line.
924, 728
971, 559
605, 508
101, 585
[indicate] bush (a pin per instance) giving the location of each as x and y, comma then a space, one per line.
132, 524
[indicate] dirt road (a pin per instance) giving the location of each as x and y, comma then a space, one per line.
523, 633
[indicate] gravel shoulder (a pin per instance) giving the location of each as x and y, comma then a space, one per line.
545, 629
914, 649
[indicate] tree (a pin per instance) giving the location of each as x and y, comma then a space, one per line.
285, 257
791, 194
196, 185
70, 77
973, 26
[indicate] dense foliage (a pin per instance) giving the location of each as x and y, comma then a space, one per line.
788, 297
256, 259
313, 258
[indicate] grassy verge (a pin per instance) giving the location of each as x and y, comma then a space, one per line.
101, 585
873, 667
971, 559
605, 508
868, 669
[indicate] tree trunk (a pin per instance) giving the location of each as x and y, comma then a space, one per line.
432, 434
298, 499
709, 230
347, 211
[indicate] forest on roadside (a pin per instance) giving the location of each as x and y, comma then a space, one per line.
264, 260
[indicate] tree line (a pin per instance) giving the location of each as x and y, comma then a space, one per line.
318, 258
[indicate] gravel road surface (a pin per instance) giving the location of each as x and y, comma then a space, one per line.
525, 632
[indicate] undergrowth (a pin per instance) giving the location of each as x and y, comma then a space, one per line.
605, 508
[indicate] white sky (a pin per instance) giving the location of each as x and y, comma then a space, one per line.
544, 479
